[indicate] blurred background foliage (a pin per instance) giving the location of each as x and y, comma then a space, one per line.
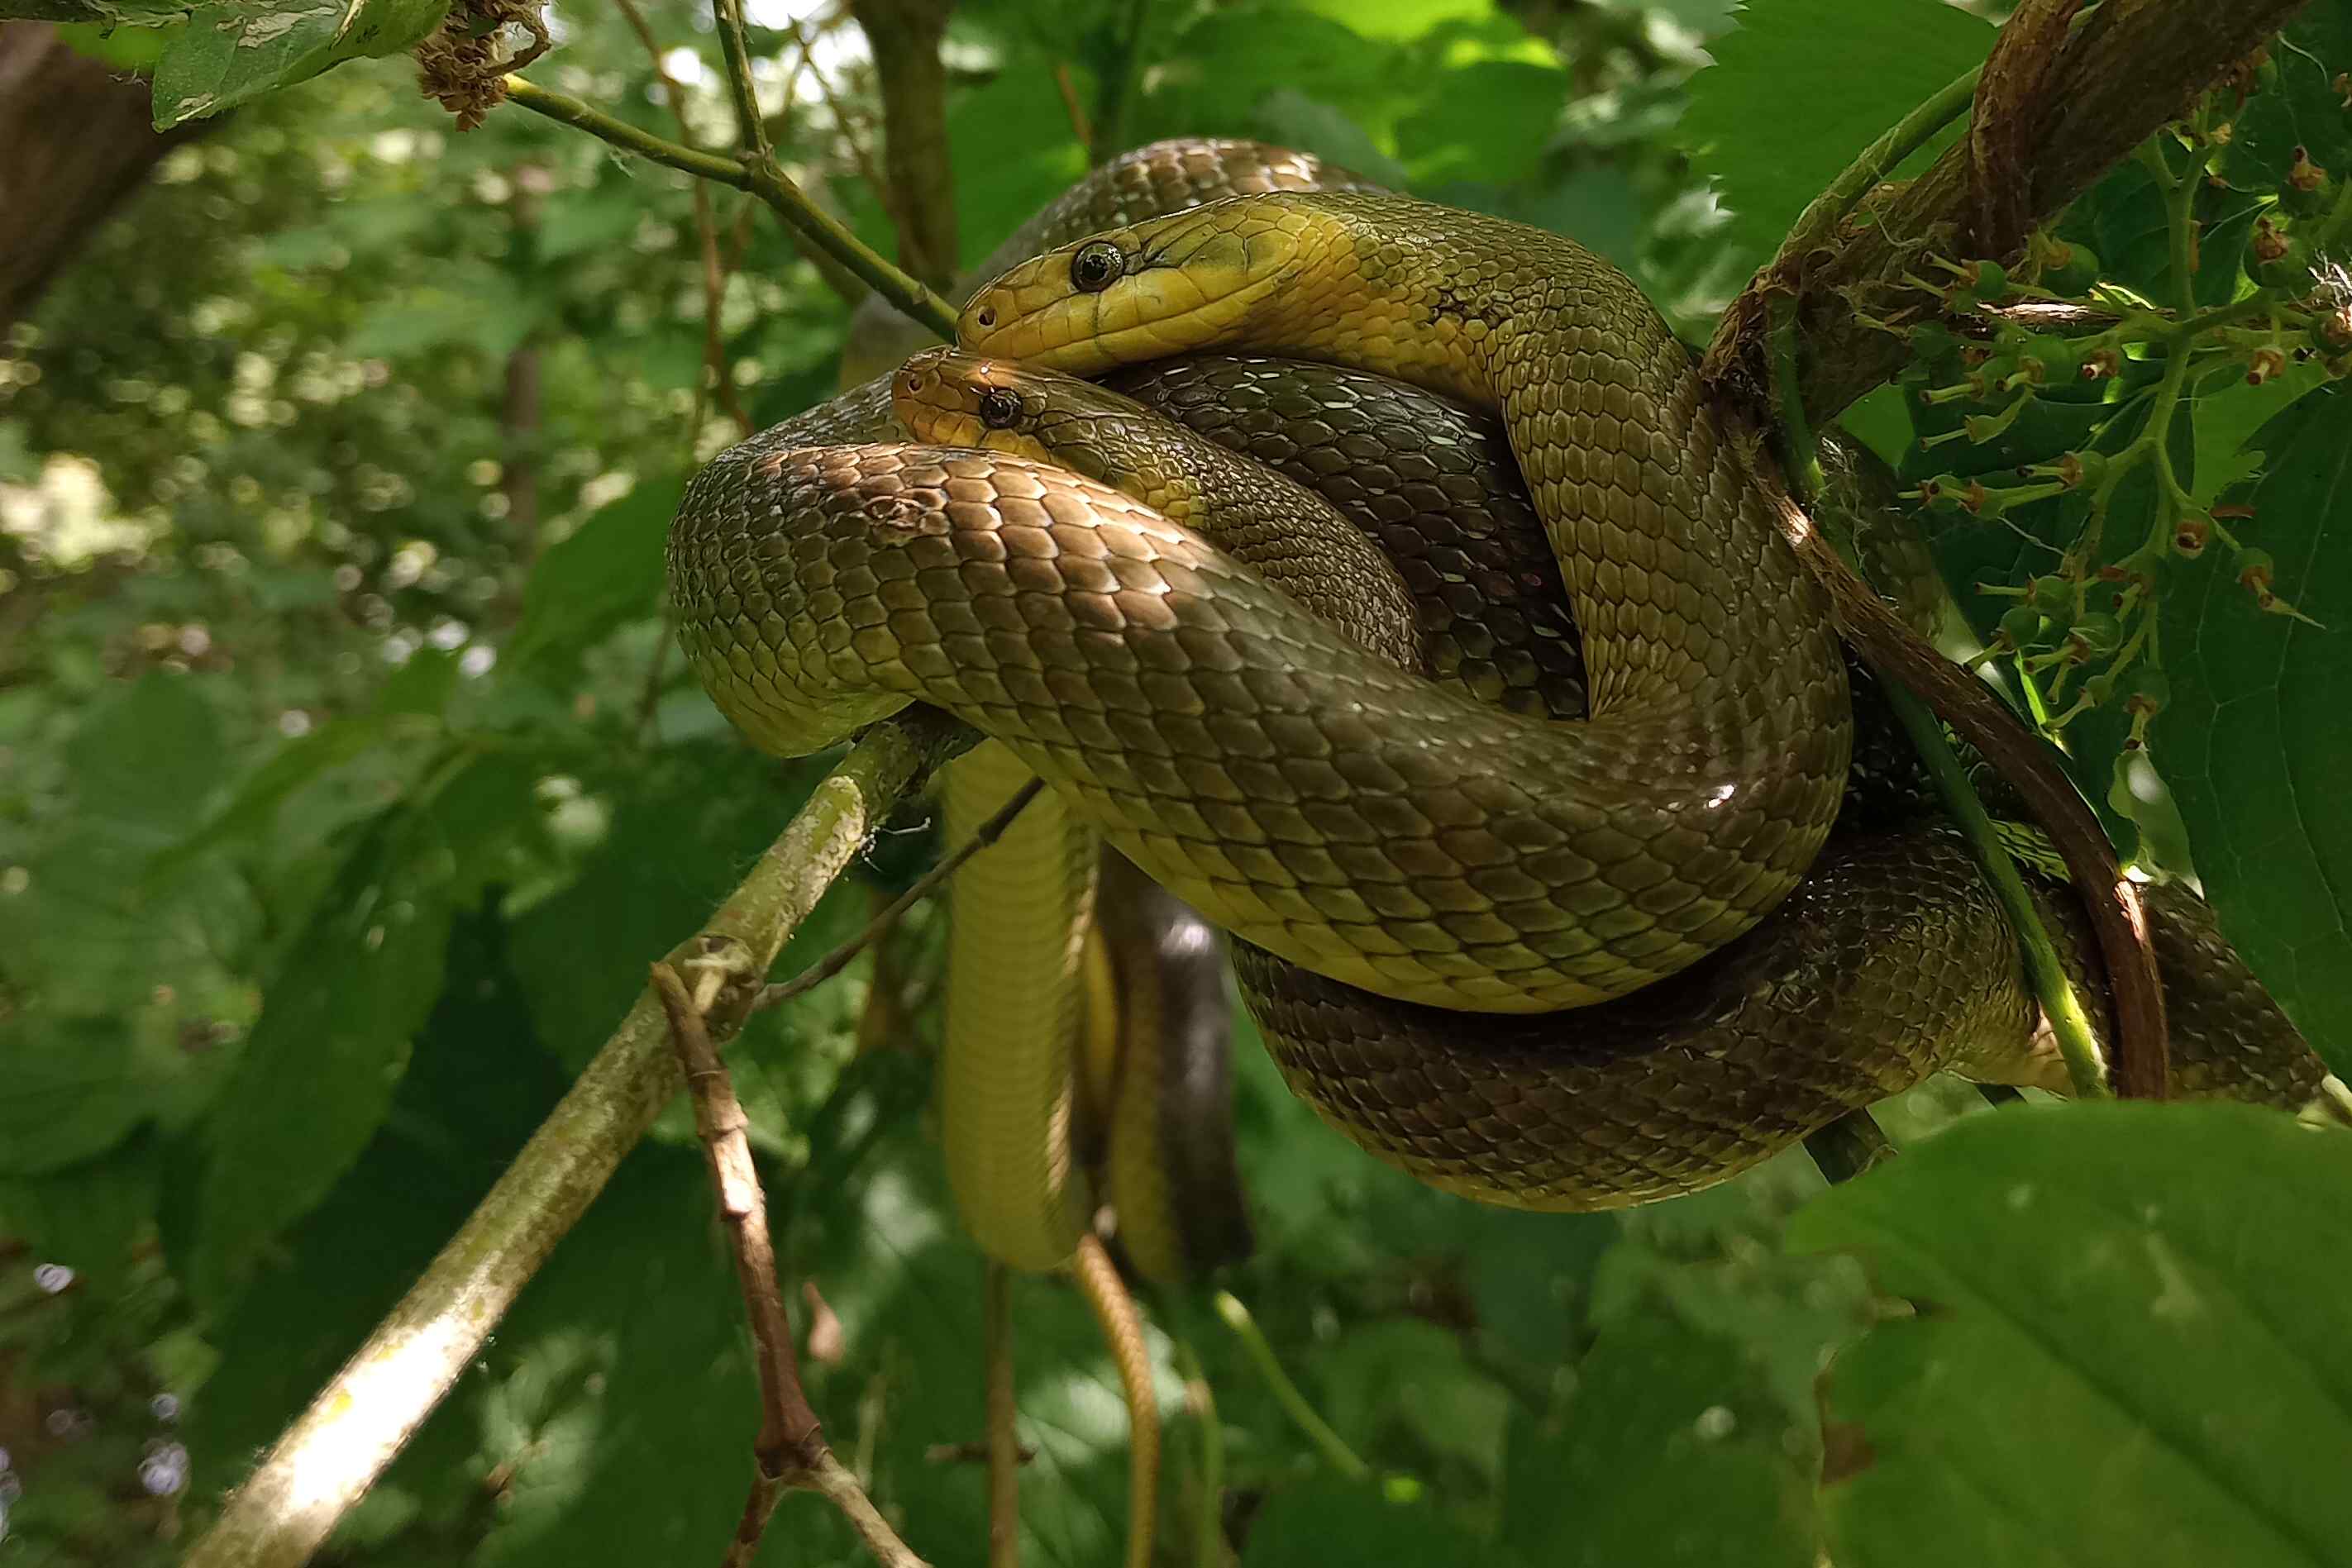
333, 473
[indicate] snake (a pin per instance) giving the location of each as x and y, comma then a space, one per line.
1552, 958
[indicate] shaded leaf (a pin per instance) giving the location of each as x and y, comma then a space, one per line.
338, 1015
1328, 1520
2133, 1346
2253, 743
608, 572
1800, 87
1673, 1452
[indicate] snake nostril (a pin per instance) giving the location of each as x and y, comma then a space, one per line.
988, 316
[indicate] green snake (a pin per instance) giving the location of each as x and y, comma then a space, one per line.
1458, 920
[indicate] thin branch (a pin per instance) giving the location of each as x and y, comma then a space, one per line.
2125, 69
1079, 127
923, 886
1004, 1446
816, 228
2031, 767
1122, 1328
334, 1450
791, 1447
1330, 1444
751, 130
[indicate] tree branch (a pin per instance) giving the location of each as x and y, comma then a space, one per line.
791, 1447
818, 229
906, 37
2120, 76
335, 1449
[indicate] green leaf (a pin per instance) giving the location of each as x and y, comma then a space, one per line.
608, 572
2254, 742
1327, 1520
474, 1091
232, 53
2305, 109
143, 762
1488, 120
88, 1216
1673, 1452
338, 1015
2133, 1344
1802, 86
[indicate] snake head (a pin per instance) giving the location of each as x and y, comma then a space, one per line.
1167, 287
950, 398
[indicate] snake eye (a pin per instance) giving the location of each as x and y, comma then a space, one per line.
999, 409
1096, 264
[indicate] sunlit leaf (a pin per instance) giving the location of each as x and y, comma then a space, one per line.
2254, 739
1800, 87
231, 53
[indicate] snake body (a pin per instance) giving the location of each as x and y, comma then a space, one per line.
1239, 746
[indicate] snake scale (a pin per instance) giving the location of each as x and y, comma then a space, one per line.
1540, 959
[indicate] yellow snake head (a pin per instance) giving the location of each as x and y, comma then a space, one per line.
1165, 287
950, 398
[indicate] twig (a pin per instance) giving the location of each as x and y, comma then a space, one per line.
2069, 1022
1849, 1146
790, 1435
2125, 70
714, 277
2111, 902
1122, 1328
791, 1447
817, 227
1294, 1403
1003, 1446
840, 958
334, 1450
859, 153
751, 130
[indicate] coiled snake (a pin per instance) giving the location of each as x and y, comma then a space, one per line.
1543, 961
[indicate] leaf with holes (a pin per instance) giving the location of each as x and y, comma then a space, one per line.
230, 54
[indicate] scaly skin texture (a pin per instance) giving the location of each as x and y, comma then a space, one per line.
1708, 774
1888, 961
1891, 960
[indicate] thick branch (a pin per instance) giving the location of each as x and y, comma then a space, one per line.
906, 37
367, 1411
2013, 102
2128, 69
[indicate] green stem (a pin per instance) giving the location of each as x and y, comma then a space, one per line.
1294, 1403
1201, 1399
751, 130
817, 228
1909, 134
2068, 1022
1119, 87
